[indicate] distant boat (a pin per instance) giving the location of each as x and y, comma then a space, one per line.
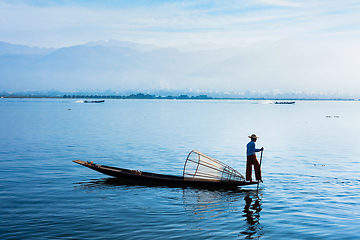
284, 102
94, 101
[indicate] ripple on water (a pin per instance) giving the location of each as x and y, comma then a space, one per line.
311, 182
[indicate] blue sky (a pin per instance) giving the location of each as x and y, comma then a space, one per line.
168, 23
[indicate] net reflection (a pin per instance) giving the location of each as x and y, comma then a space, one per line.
210, 203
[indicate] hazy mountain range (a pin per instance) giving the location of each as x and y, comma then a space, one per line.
101, 65
269, 67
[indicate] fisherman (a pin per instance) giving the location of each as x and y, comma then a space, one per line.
252, 160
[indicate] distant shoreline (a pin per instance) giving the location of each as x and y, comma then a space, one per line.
170, 97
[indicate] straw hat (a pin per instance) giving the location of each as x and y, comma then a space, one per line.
253, 136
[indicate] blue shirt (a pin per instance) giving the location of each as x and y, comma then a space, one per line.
250, 148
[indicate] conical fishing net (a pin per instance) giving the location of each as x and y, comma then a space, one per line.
198, 166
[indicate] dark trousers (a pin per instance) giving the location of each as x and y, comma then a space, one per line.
252, 160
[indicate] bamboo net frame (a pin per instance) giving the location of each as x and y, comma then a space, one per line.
199, 166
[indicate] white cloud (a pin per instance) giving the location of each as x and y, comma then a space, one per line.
174, 23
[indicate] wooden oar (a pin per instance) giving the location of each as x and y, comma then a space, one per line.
260, 169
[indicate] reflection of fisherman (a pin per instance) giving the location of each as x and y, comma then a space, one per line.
252, 214
252, 160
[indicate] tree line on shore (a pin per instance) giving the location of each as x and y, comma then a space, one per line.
138, 96
148, 96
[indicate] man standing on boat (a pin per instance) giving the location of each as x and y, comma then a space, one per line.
252, 160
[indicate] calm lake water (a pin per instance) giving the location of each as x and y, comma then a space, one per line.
310, 167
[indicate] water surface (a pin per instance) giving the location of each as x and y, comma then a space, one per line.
310, 169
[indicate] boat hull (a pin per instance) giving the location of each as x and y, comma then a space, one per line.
100, 101
160, 179
284, 102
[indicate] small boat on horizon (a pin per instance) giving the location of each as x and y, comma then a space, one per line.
94, 101
285, 102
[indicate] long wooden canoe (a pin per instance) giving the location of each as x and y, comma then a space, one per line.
161, 179
94, 101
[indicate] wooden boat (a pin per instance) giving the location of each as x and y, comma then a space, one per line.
284, 102
228, 177
94, 101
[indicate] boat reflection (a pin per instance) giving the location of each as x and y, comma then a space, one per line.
236, 208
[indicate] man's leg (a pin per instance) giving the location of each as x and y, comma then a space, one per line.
257, 169
249, 168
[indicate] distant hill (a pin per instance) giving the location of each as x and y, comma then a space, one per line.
7, 48
272, 67
123, 44
119, 65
